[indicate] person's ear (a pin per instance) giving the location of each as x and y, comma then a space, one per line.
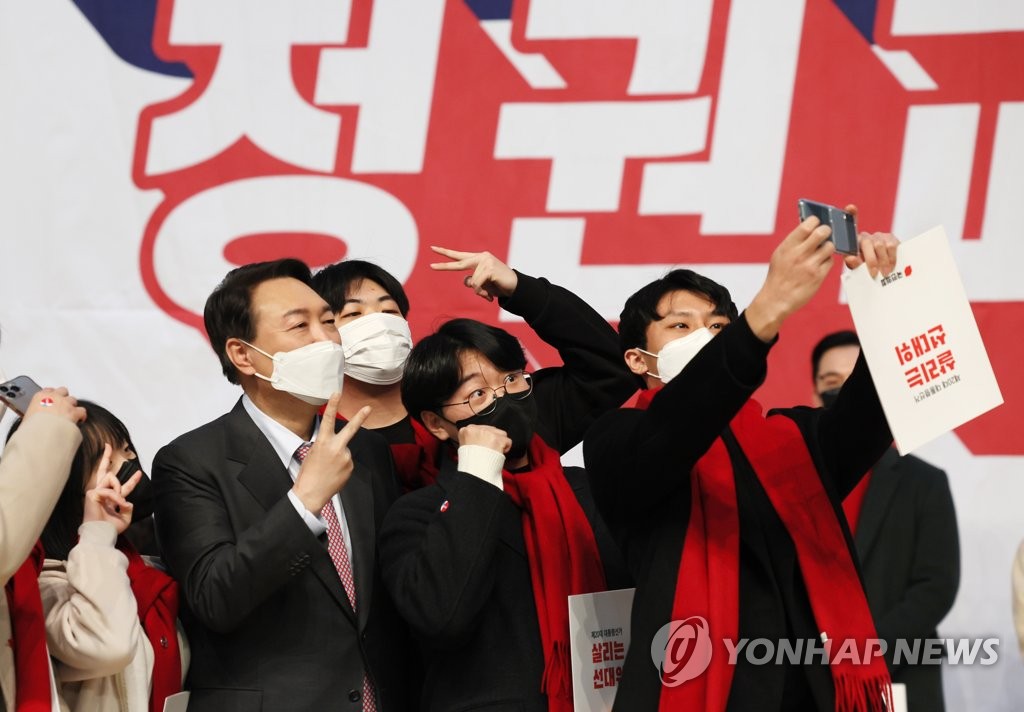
636, 362
238, 354
434, 424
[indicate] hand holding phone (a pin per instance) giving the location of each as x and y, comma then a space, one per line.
25, 397
843, 224
17, 393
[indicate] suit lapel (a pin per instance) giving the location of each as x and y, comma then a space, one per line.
885, 479
357, 499
267, 480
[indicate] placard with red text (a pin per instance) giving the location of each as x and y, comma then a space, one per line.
922, 343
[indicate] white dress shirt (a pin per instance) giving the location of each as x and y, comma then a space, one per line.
285, 443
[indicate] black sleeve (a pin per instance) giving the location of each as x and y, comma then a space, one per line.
627, 451
438, 565
934, 574
223, 578
593, 378
853, 434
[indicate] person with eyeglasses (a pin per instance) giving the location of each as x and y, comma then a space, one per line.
481, 562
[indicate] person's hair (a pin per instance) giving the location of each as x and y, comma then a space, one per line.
641, 308
335, 282
228, 311
831, 341
433, 373
100, 426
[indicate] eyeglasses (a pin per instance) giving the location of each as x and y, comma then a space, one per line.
517, 385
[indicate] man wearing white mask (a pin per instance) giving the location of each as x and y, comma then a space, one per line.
730, 520
268, 517
370, 310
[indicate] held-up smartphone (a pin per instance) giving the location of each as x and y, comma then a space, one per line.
843, 224
18, 392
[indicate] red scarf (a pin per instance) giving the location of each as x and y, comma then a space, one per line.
708, 578
156, 595
416, 463
31, 659
564, 560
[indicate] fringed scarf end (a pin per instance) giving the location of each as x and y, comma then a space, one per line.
855, 693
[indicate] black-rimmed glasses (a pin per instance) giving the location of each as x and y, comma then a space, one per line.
517, 385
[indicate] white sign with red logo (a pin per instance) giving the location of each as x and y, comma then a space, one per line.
598, 639
922, 343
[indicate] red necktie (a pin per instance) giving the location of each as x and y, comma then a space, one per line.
339, 555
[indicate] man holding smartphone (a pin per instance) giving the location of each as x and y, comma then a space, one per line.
729, 519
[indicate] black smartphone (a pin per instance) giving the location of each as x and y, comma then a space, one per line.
18, 392
843, 224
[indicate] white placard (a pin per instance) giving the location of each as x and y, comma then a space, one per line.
921, 342
599, 639
899, 697
176, 703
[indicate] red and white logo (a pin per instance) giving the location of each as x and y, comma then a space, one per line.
681, 650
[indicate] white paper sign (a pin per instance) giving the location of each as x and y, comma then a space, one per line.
921, 342
899, 697
176, 703
599, 639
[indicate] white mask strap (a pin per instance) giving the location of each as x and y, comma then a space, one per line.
257, 348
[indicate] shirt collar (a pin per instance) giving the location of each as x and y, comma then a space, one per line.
283, 440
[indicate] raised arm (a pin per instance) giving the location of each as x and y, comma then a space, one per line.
33, 469
593, 377
637, 458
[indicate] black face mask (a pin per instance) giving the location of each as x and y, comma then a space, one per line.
828, 398
142, 496
518, 418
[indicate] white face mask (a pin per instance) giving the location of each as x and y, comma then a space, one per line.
310, 373
674, 355
376, 347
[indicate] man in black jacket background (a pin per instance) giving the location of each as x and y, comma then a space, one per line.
904, 527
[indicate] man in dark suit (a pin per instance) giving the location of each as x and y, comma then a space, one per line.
904, 526
268, 519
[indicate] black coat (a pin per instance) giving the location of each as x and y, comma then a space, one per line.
639, 462
910, 559
268, 623
461, 577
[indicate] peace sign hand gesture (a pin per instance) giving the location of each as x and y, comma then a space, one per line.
328, 466
107, 502
490, 276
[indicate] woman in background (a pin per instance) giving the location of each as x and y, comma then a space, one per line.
111, 616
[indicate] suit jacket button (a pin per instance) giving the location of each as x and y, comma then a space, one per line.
354, 695
163, 641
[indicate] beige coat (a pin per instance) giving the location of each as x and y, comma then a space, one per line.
33, 469
102, 657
